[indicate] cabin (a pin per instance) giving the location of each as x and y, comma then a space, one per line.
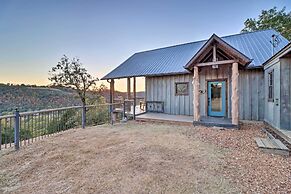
219, 81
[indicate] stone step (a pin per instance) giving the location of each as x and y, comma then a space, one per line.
272, 145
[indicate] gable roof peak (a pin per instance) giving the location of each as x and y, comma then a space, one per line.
243, 59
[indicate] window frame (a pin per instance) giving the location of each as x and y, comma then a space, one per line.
181, 94
271, 86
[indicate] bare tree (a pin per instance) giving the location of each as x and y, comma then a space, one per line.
71, 73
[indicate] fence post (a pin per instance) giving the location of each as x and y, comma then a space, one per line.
83, 116
16, 130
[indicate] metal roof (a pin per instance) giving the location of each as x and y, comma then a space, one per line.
283, 51
170, 60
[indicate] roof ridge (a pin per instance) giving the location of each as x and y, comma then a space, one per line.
243, 33
237, 34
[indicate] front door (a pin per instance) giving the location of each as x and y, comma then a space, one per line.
216, 98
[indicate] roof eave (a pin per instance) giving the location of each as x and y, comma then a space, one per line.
147, 75
285, 48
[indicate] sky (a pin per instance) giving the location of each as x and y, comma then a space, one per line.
35, 34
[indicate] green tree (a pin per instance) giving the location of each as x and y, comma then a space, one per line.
97, 95
71, 73
68, 119
99, 114
280, 20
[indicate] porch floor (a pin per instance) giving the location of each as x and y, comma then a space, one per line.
208, 121
165, 117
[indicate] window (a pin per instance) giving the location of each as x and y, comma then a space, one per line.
271, 86
182, 88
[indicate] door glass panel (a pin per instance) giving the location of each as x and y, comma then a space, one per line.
216, 97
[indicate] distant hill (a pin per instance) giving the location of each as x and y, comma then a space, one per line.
28, 98
32, 97
118, 94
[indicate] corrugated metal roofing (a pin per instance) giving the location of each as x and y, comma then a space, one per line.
170, 60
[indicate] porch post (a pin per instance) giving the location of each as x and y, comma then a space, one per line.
128, 88
111, 101
234, 95
112, 91
196, 86
134, 96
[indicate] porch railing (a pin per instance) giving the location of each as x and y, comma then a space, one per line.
20, 129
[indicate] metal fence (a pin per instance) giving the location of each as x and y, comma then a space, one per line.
24, 128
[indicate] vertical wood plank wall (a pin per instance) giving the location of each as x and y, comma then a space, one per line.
285, 92
251, 95
163, 89
251, 92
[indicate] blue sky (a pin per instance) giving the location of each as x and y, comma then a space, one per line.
34, 34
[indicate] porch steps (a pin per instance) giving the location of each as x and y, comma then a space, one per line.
283, 135
272, 145
215, 122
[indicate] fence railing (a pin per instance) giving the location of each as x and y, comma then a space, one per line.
24, 128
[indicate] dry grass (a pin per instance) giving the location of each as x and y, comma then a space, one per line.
138, 158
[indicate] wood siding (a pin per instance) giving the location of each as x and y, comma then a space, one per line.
285, 93
163, 89
251, 92
251, 95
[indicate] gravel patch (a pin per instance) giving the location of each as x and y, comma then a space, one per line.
245, 165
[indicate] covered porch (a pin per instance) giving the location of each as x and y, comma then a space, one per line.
215, 70
205, 93
129, 106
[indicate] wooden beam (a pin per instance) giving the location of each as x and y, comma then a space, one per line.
196, 94
204, 54
214, 53
128, 88
224, 62
223, 54
207, 58
234, 95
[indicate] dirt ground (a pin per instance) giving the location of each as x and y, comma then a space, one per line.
146, 158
